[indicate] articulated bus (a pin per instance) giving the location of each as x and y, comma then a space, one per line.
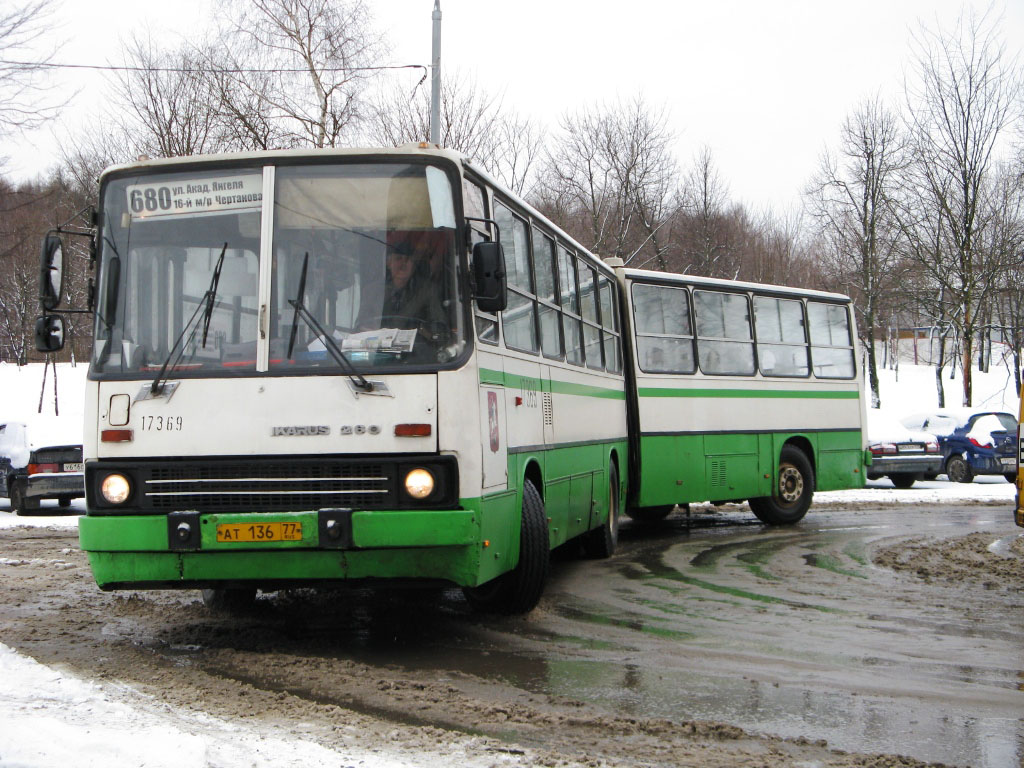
315, 368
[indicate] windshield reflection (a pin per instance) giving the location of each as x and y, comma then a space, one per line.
379, 241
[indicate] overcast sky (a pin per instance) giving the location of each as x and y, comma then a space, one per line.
764, 83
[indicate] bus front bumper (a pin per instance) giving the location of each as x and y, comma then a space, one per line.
272, 550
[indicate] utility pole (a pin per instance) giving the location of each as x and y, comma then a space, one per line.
435, 86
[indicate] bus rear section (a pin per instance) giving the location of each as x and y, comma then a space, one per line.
740, 392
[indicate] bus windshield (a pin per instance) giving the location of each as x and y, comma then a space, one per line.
183, 287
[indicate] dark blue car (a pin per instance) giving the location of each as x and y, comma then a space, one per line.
973, 442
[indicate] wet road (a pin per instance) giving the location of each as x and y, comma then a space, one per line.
791, 632
794, 632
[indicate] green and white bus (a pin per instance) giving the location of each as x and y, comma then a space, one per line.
320, 367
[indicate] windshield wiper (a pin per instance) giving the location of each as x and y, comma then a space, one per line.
207, 305
357, 378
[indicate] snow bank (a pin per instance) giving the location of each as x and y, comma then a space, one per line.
54, 719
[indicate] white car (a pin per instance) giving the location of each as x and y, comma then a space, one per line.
901, 454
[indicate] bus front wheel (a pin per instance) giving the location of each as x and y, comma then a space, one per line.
229, 600
519, 590
793, 491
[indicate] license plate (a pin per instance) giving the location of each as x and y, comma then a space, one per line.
1009, 462
907, 448
73, 467
258, 532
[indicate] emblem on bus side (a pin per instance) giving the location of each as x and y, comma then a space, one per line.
299, 431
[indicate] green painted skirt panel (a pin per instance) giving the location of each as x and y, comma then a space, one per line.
679, 469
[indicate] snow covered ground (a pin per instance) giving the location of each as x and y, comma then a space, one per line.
51, 718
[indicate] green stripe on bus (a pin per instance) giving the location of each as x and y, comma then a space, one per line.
488, 376
796, 394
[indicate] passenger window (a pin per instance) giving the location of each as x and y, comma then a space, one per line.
664, 339
781, 340
610, 326
831, 341
570, 307
547, 294
519, 318
588, 304
724, 340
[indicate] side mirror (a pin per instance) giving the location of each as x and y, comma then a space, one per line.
490, 286
49, 333
51, 272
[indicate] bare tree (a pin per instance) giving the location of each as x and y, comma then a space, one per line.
473, 122
853, 200
961, 104
301, 65
23, 86
165, 101
705, 247
612, 174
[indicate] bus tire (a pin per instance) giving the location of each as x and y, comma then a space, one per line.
519, 590
794, 489
650, 514
229, 600
958, 470
600, 543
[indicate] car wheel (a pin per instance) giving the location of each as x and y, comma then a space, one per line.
1011, 477
64, 502
904, 479
958, 470
21, 505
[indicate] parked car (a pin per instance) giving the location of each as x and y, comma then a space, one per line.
30, 472
902, 455
973, 442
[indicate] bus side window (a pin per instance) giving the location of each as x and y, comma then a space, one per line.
588, 303
570, 307
519, 319
724, 339
781, 339
664, 334
831, 342
547, 294
610, 326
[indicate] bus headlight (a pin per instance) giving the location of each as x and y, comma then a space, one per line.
115, 489
419, 483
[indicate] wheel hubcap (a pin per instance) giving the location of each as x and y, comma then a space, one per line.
791, 484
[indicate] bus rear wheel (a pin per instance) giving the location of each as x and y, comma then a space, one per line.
601, 542
793, 491
519, 590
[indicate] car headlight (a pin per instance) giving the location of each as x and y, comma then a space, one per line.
419, 483
115, 489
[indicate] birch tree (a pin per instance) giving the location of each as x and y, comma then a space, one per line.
853, 199
961, 104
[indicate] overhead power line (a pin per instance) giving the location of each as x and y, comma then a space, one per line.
189, 70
